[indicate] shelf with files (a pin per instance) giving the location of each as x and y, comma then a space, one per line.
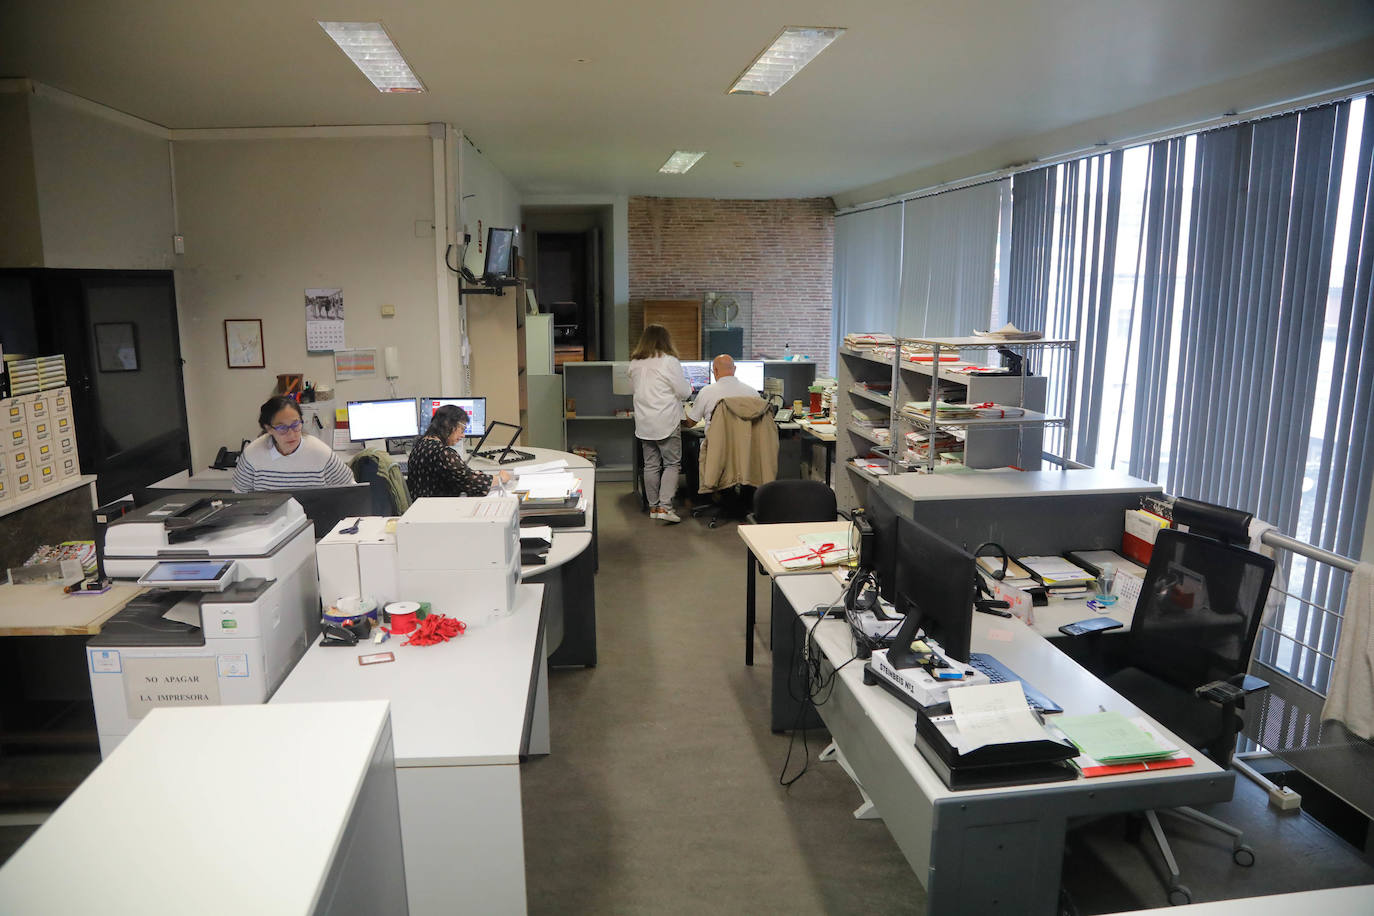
856, 370
988, 442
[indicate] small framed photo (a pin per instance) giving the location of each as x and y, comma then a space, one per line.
116, 346
243, 343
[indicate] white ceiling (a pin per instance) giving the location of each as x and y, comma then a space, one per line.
914, 83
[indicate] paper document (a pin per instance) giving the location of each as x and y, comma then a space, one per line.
536, 532
1111, 737
993, 714
546, 467
1057, 571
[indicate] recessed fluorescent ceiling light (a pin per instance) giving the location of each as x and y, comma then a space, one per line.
369, 46
793, 49
679, 162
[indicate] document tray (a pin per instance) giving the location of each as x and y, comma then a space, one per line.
1014, 764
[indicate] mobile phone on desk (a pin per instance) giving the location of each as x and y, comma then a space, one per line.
1092, 625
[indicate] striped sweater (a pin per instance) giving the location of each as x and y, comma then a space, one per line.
312, 464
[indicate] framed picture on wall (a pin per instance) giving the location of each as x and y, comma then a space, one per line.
243, 343
116, 346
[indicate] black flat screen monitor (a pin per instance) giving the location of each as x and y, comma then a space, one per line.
327, 506
475, 408
935, 590
882, 515
500, 246
698, 372
394, 418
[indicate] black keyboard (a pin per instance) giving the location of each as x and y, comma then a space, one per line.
496, 454
999, 673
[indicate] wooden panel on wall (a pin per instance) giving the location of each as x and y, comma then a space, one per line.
682, 318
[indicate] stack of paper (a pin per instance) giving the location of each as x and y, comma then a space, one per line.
1111, 743
816, 551
1009, 332
1057, 572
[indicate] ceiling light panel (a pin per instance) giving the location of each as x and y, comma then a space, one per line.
679, 162
793, 49
369, 47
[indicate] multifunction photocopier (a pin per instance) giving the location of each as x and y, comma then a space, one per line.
233, 602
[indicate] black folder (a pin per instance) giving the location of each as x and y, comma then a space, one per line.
1015, 764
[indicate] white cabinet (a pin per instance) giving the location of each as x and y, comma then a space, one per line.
595, 417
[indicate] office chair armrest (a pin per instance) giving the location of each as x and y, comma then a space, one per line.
1233, 690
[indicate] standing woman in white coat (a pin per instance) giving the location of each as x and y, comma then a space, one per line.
660, 387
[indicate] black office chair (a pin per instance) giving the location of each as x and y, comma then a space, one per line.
1186, 657
372, 468
793, 501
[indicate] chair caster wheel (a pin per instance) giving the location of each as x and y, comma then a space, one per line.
1243, 856
1179, 895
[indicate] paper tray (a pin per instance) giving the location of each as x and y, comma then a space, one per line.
1015, 764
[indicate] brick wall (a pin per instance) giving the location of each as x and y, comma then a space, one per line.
780, 250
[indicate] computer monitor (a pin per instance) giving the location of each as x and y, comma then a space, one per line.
750, 371
882, 516
935, 590
475, 408
500, 245
390, 419
327, 506
698, 373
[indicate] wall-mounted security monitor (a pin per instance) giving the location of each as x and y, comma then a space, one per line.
475, 408
391, 419
750, 371
500, 248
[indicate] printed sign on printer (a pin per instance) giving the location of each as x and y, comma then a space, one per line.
153, 682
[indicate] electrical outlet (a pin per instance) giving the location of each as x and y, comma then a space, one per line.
388, 311
1285, 799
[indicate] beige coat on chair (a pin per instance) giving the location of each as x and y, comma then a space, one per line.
741, 446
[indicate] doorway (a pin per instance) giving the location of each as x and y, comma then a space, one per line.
567, 285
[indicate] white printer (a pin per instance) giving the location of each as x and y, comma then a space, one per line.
233, 604
462, 555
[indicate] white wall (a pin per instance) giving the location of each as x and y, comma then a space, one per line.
104, 187
266, 219
21, 235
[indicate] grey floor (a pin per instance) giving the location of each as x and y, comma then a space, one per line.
662, 796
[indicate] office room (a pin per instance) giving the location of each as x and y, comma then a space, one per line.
203, 211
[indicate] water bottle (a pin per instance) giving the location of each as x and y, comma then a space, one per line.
786, 351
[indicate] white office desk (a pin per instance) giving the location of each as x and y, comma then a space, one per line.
225, 810
984, 850
463, 713
1003, 483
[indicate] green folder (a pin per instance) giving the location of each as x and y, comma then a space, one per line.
1110, 737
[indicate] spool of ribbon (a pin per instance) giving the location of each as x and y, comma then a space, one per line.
403, 616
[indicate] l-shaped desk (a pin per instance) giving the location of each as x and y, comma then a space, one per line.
981, 850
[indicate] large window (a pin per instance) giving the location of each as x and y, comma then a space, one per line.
1219, 286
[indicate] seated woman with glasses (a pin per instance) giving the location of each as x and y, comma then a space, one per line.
284, 457
434, 467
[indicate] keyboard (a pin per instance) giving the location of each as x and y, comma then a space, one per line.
495, 454
999, 673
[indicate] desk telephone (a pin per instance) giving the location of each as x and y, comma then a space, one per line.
784, 415
226, 460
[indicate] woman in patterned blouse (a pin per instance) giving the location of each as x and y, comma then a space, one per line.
434, 468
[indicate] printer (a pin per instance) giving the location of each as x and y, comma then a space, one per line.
231, 606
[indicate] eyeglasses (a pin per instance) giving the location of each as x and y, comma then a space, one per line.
288, 427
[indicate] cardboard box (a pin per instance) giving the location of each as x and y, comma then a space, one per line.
47, 475
17, 437
68, 466
40, 431
14, 412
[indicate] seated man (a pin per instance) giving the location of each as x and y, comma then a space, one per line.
726, 385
